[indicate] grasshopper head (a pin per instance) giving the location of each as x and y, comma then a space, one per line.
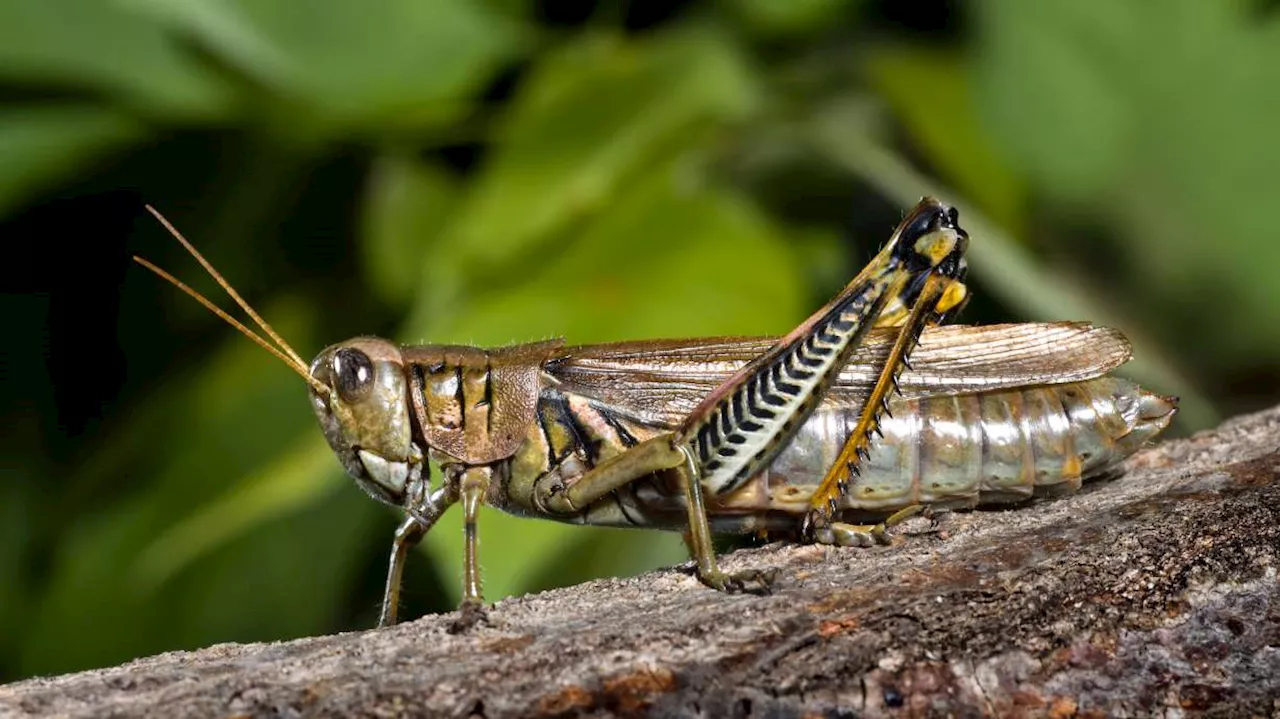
365, 417
358, 390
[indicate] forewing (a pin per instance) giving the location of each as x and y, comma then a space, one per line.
661, 381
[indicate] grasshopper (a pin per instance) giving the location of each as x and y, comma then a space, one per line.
824, 435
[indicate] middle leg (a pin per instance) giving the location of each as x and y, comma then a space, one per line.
656, 454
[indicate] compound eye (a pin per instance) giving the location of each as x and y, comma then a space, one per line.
354, 372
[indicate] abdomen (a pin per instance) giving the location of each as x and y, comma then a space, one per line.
947, 450
966, 450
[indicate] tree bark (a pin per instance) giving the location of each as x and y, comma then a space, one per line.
1151, 594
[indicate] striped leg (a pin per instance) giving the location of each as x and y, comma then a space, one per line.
939, 294
739, 429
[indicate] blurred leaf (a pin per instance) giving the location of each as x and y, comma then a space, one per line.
239, 418
930, 91
103, 45
290, 577
1202, 164
408, 202
1000, 263
393, 63
824, 254
795, 17
1170, 143
1052, 99
296, 478
670, 258
590, 115
266, 584
17, 526
48, 144
221, 25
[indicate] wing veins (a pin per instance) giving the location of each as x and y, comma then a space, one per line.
662, 380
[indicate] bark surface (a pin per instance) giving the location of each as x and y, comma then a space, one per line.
1155, 593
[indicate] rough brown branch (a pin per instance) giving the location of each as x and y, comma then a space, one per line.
1158, 591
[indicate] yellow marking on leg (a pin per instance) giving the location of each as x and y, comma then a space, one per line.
954, 296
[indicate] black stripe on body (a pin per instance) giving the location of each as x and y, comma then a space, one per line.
581, 437
625, 438
552, 460
460, 397
420, 384
488, 393
622, 507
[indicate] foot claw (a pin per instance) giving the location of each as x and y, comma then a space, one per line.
470, 614
750, 581
818, 517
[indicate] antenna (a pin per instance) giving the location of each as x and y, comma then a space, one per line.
288, 356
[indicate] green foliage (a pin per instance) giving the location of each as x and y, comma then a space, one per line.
346, 66
783, 19
932, 93
43, 145
590, 115
407, 205
107, 47
1161, 123
613, 184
